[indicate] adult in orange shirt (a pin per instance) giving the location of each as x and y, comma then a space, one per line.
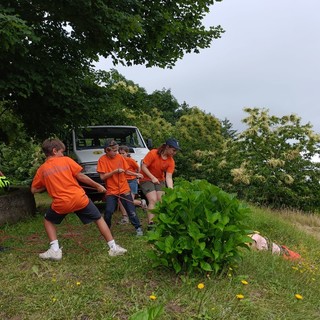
158, 167
59, 175
113, 168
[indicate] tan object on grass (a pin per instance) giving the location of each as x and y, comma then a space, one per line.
262, 243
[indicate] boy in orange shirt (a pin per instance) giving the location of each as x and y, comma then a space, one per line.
113, 168
132, 181
59, 175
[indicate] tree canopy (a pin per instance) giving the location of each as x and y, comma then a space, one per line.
48, 49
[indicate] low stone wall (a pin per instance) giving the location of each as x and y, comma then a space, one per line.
17, 205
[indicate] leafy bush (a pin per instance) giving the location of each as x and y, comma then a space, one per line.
199, 227
19, 160
20, 155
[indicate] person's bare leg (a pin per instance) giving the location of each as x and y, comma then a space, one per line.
104, 229
50, 230
54, 252
152, 200
115, 249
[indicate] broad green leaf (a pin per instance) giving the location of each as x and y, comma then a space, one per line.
205, 266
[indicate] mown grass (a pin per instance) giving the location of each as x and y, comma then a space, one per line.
88, 284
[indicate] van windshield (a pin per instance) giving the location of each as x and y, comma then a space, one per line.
95, 137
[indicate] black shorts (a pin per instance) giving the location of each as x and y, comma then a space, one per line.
87, 215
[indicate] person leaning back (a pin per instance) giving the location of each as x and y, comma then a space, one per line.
59, 175
157, 168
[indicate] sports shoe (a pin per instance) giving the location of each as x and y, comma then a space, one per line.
124, 220
143, 204
51, 255
139, 232
117, 251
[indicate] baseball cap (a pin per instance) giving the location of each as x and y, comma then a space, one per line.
173, 143
110, 143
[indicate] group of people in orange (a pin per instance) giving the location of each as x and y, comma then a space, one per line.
59, 175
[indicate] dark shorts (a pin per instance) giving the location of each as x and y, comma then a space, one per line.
149, 186
88, 214
133, 184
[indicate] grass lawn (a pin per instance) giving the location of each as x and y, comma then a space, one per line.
88, 284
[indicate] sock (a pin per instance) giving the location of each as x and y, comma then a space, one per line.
54, 245
112, 244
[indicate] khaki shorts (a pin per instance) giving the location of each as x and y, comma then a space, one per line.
149, 186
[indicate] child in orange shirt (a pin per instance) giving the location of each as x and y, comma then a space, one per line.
59, 175
113, 168
133, 182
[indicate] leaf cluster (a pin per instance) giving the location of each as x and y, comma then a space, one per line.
199, 228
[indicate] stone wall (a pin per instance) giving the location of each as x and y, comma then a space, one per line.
17, 205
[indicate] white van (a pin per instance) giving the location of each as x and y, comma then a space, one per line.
88, 147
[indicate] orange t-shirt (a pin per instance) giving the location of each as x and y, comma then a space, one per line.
117, 183
57, 175
157, 166
133, 166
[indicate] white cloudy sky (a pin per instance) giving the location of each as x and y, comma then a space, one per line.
269, 57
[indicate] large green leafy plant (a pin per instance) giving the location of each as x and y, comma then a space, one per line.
199, 227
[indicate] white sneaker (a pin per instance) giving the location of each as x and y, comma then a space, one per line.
51, 255
117, 251
139, 232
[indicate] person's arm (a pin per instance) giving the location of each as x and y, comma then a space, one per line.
88, 181
37, 190
145, 169
132, 173
169, 180
106, 175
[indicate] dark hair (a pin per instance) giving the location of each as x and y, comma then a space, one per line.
49, 144
125, 149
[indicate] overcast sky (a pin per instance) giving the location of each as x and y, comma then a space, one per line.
269, 57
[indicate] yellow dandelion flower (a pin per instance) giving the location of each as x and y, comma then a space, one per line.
244, 282
153, 297
200, 286
240, 296
78, 283
54, 299
298, 296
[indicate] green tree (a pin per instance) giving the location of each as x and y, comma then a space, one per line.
226, 129
200, 136
273, 165
164, 100
48, 48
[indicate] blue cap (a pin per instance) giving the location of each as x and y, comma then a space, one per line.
173, 143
